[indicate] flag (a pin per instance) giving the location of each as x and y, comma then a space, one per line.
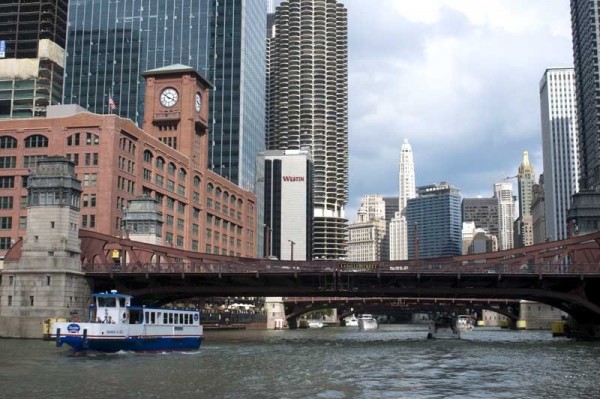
111, 103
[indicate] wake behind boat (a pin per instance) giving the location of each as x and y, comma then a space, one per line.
367, 322
115, 325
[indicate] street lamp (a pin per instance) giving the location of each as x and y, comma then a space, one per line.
292, 243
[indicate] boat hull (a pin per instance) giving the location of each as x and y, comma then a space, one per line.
137, 344
127, 337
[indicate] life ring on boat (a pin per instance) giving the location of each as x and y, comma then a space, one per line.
124, 315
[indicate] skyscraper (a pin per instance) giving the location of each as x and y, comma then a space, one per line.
366, 236
406, 191
110, 43
523, 226
434, 222
288, 206
308, 106
32, 52
584, 214
506, 214
560, 148
483, 212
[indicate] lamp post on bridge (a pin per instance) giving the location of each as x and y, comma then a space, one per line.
292, 243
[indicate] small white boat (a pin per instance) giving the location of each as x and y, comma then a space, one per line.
315, 324
464, 323
443, 327
367, 322
351, 321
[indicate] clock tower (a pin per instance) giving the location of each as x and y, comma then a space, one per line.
176, 110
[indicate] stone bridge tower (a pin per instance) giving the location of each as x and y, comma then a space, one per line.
47, 281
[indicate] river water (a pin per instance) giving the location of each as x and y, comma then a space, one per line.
396, 361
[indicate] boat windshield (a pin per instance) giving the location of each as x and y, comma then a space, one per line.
110, 302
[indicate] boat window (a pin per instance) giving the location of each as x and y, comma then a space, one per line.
152, 318
106, 302
146, 317
166, 318
185, 319
170, 318
176, 318
122, 302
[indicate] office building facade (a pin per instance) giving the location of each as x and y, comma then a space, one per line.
288, 204
483, 212
406, 191
32, 56
506, 214
523, 226
434, 222
117, 162
308, 106
560, 148
584, 214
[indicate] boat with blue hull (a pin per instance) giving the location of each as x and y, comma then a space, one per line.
115, 325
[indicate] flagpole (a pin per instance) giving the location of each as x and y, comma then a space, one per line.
109, 98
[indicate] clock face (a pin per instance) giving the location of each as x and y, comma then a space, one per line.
198, 103
169, 97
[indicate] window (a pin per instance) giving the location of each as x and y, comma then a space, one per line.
36, 141
209, 188
196, 181
5, 223
182, 174
179, 241
148, 156
8, 162
147, 174
10, 300
91, 139
7, 181
8, 142
170, 185
171, 168
170, 220
180, 224
4, 242
6, 202
73, 140
160, 163
22, 222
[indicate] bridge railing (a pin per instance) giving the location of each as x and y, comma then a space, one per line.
262, 266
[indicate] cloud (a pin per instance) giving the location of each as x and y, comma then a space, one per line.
459, 79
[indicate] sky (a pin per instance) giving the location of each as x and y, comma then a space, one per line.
459, 79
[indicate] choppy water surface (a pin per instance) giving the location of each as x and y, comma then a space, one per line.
393, 362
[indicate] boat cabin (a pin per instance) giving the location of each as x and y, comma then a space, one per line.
115, 308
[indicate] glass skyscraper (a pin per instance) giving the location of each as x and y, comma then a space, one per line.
434, 222
111, 43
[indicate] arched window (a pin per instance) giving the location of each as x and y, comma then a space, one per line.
225, 197
232, 200
218, 192
182, 174
148, 156
36, 141
8, 142
210, 187
160, 163
196, 181
171, 168
239, 204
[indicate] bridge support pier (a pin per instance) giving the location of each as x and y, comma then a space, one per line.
585, 331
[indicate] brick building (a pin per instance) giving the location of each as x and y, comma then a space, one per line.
117, 162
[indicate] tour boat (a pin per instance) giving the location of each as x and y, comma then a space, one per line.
367, 322
443, 327
115, 325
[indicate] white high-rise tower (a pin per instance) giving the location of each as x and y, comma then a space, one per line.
560, 146
506, 214
406, 185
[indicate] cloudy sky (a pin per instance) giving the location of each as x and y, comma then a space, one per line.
459, 79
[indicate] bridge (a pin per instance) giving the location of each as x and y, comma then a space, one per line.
564, 274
